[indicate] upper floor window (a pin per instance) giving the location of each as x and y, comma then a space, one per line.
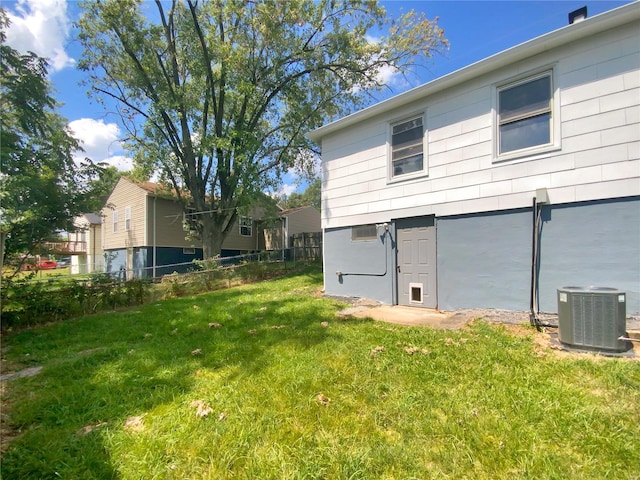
127, 218
246, 226
115, 221
407, 147
525, 114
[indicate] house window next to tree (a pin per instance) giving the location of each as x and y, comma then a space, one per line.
127, 218
115, 221
246, 225
525, 116
407, 149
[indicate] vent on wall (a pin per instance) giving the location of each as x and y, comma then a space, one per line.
592, 318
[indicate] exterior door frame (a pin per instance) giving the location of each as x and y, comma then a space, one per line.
430, 235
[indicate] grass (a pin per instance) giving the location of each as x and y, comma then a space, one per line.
291, 398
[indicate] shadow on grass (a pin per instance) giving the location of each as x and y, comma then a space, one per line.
102, 370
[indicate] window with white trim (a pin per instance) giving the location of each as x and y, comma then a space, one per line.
127, 218
115, 221
362, 233
407, 147
525, 114
246, 226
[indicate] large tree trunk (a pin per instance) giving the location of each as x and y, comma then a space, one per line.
212, 239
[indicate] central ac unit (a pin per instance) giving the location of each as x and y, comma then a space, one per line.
592, 318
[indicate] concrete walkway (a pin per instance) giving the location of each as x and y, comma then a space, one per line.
414, 316
408, 316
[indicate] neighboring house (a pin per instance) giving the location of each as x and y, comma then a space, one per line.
144, 234
430, 198
85, 244
291, 222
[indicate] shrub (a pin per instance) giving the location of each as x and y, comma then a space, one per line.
27, 302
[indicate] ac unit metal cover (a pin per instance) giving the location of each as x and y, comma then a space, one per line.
592, 318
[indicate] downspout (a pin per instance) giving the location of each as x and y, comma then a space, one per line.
540, 198
533, 319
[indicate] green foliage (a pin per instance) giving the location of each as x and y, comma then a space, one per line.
41, 188
27, 301
219, 95
292, 397
311, 196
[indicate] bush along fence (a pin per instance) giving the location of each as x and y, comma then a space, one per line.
30, 301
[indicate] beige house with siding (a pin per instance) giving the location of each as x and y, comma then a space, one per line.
144, 234
291, 222
85, 244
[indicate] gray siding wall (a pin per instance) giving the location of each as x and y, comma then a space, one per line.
368, 267
484, 260
591, 244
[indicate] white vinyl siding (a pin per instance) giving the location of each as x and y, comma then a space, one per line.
595, 86
525, 114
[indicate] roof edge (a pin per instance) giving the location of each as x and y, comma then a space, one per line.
569, 33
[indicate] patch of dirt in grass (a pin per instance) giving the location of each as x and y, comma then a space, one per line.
546, 343
7, 433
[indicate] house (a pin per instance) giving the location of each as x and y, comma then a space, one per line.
85, 244
291, 222
145, 236
497, 184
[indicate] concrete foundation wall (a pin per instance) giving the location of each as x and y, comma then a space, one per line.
591, 244
484, 260
367, 267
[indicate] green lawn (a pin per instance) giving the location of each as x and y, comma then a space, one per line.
282, 396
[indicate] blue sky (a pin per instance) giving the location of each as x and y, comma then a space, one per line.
475, 30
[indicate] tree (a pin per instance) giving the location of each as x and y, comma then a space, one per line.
311, 196
41, 189
218, 94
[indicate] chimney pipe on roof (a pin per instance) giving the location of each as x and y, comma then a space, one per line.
578, 15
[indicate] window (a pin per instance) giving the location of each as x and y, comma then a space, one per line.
407, 154
363, 233
115, 221
525, 114
246, 226
188, 251
127, 218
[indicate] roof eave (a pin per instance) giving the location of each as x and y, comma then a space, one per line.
570, 33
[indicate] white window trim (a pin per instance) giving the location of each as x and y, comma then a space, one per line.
413, 175
534, 152
127, 218
115, 221
250, 226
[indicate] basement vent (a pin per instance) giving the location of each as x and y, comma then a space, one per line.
592, 318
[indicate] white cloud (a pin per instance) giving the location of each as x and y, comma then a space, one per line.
287, 189
101, 142
41, 26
